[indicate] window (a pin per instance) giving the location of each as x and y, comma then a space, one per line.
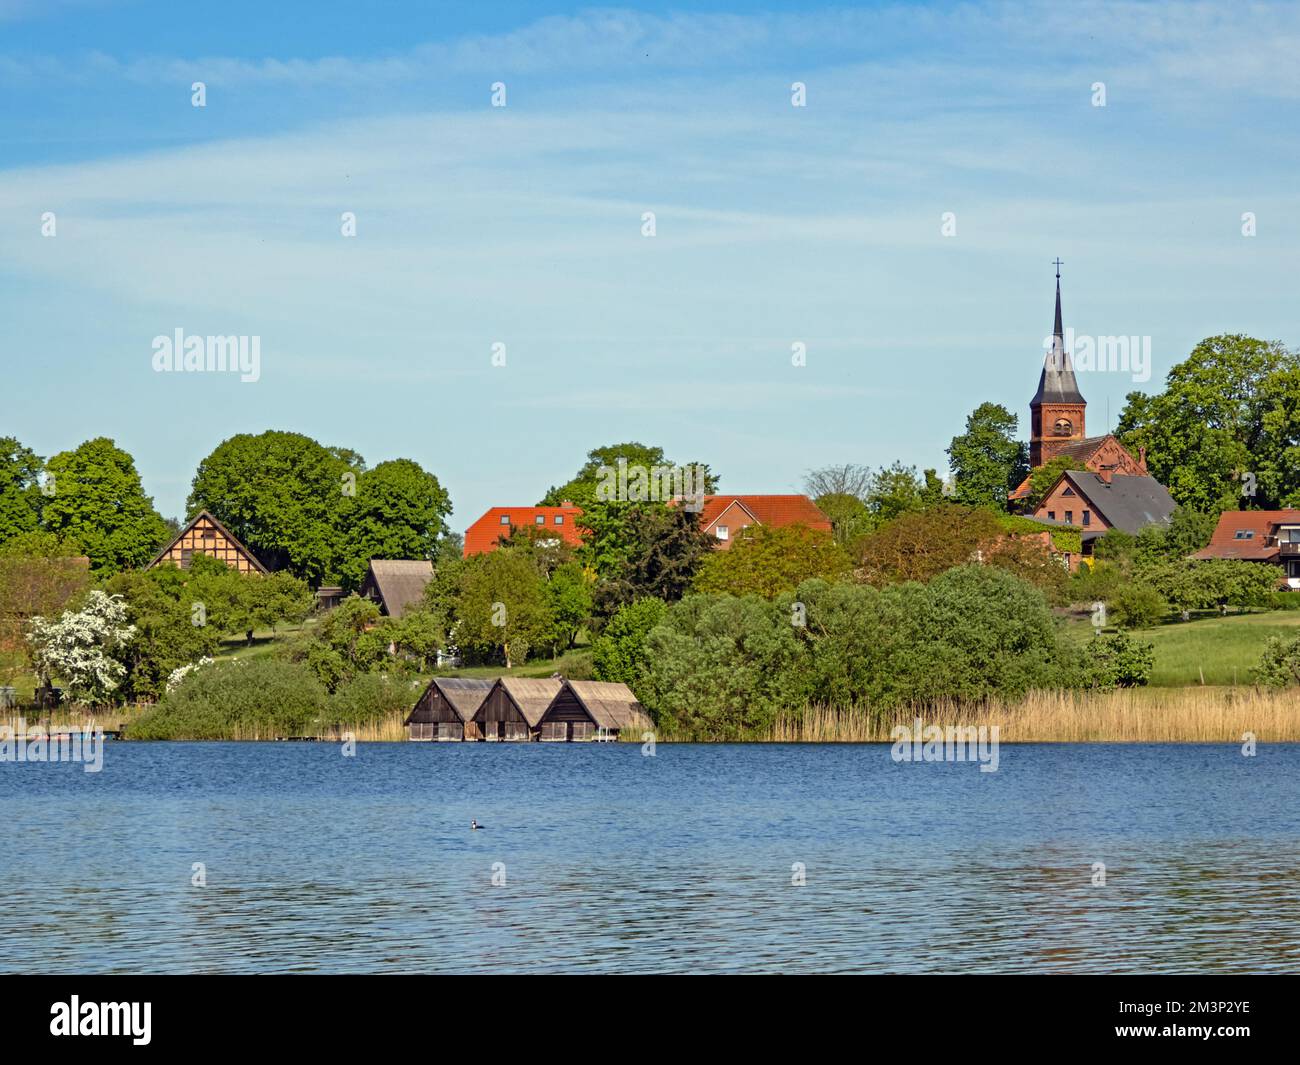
540, 519
1087, 517
559, 519
1069, 517
1051, 515
721, 532
505, 519
1244, 534
1063, 427
1067, 491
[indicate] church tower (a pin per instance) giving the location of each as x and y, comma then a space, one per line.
1056, 411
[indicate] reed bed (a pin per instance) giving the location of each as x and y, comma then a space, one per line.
1165, 715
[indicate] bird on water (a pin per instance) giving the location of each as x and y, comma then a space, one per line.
474, 825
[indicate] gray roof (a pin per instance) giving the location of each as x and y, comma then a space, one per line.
1126, 503
1056, 384
399, 582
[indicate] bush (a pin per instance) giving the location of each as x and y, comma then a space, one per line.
1137, 606
1279, 666
720, 667
618, 654
1283, 601
236, 699
1096, 583
1117, 661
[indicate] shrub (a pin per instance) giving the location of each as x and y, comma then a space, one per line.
236, 699
1117, 661
1137, 606
618, 654
1279, 665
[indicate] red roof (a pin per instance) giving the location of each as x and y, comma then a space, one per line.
767, 510
483, 535
1261, 524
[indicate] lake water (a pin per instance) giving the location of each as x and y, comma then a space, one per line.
678, 862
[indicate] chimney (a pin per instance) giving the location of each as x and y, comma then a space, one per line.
1142, 459
566, 503
1106, 475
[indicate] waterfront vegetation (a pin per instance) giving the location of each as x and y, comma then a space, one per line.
920, 594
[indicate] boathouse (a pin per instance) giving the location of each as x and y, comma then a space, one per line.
446, 709
592, 710
514, 707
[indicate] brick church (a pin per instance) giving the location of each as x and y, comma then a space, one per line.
1113, 490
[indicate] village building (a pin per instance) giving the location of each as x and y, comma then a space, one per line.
592, 710
513, 709
723, 516
1096, 502
497, 523
1058, 419
447, 708
1270, 537
396, 584
206, 535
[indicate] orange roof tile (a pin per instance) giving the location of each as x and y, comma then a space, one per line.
497, 522
1225, 543
767, 510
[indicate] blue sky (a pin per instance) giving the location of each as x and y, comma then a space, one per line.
522, 225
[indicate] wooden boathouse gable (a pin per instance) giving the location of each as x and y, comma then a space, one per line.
514, 707
446, 708
592, 709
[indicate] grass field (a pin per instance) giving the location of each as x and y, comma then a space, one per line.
1210, 650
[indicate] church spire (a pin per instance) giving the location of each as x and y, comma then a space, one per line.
1056, 384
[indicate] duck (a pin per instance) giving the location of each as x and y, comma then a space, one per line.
474, 825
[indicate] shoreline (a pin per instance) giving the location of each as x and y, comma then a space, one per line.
1205, 715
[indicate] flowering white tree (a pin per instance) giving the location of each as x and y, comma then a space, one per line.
79, 645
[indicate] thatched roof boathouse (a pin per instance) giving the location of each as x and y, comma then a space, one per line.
514, 707
592, 710
446, 708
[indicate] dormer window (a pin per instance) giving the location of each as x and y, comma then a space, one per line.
1244, 534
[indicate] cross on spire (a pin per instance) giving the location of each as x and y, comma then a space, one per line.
1057, 263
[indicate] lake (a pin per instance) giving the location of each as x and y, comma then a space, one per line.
618, 862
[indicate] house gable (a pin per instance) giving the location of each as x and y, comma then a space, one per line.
206, 535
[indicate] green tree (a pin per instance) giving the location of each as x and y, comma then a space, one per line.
501, 605
986, 460
659, 549
581, 488
767, 561
1279, 665
282, 494
20, 491
99, 502
399, 511
569, 602
1227, 410
619, 653
920, 545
